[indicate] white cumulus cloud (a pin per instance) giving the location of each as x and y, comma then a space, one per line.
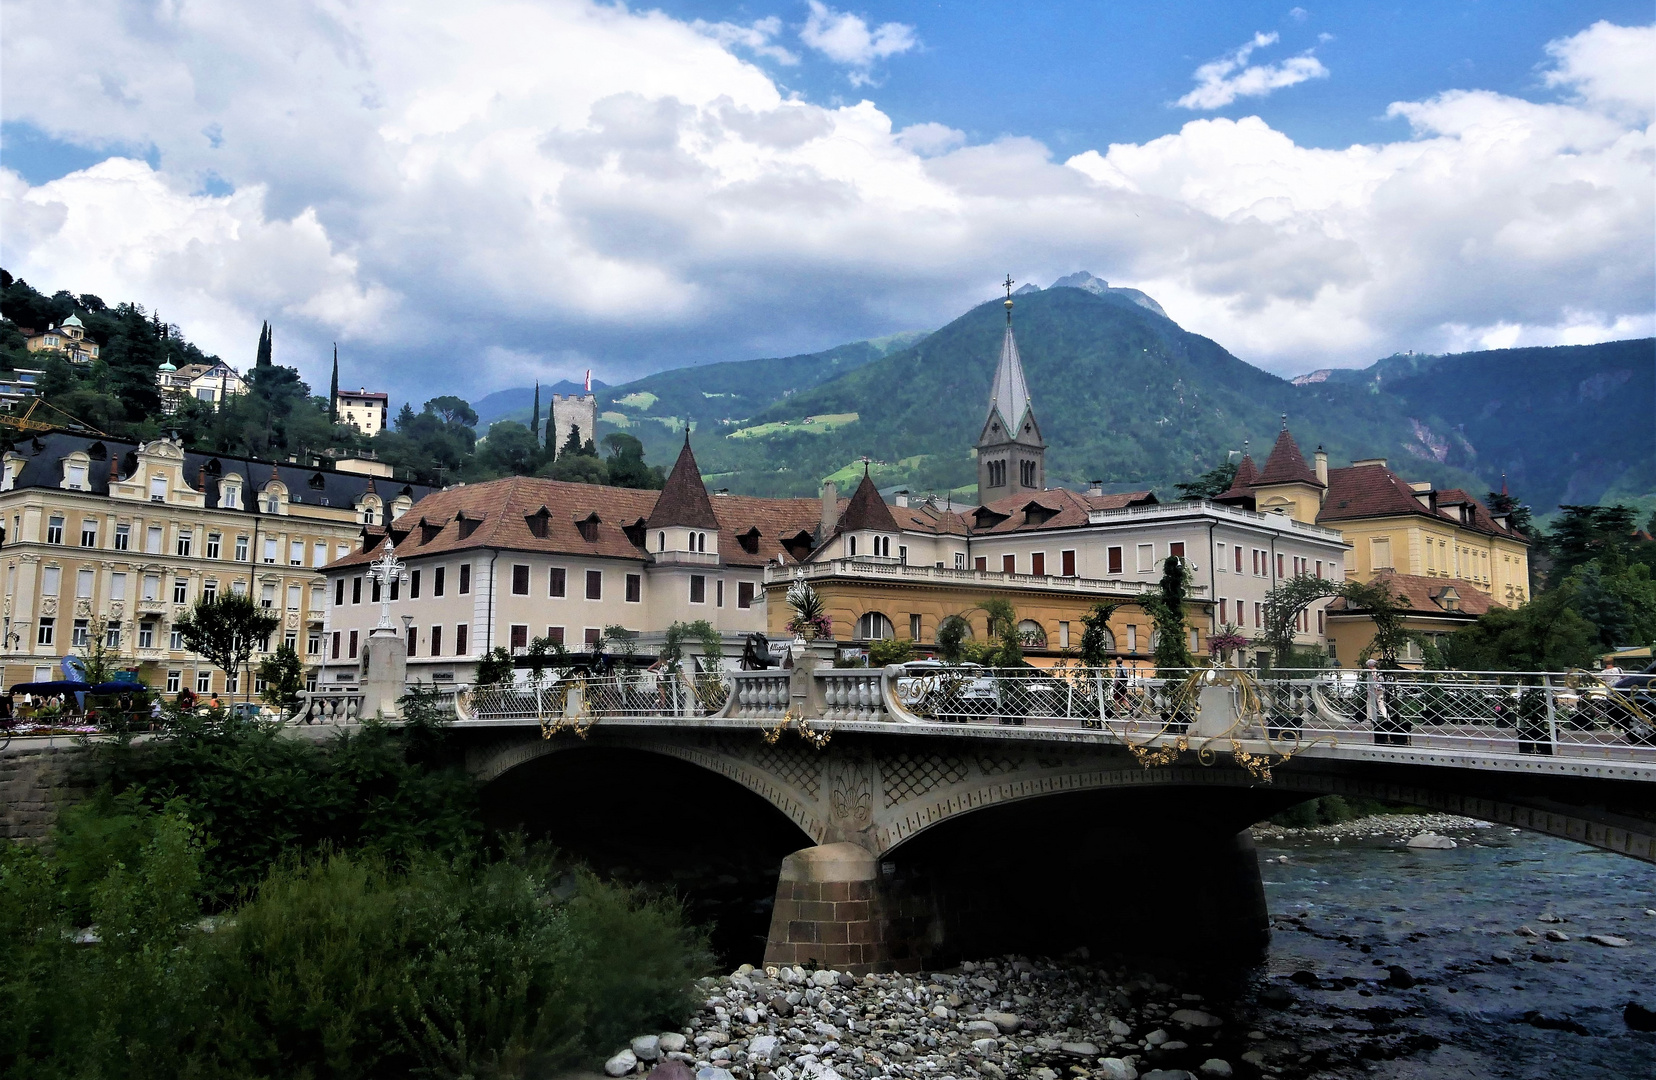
626, 191
847, 39
757, 37
1220, 82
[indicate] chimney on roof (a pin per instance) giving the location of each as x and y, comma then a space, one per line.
1320, 458
1380, 461
830, 509
1095, 487
902, 498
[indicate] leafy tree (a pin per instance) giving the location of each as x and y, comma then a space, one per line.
509, 450
1003, 625
1618, 599
1517, 513
1209, 485
1546, 634
495, 667
283, 675
576, 469
97, 657
889, 651
226, 629
1096, 639
1167, 611
625, 464
1283, 606
1583, 533
452, 410
952, 636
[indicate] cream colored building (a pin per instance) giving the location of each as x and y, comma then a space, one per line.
209, 384
69, 339
363, 410
124, 538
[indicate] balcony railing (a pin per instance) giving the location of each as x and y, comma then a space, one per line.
942, 575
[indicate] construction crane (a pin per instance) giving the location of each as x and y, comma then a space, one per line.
27, 423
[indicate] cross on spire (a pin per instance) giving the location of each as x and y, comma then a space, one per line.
1007, 285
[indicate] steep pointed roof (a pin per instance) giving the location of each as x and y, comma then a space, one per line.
1010, 391
1286, 465
867, 510
1242, 486
683, 500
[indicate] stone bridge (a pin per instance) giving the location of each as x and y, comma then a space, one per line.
976, 812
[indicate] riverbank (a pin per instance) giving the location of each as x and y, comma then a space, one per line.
1374, 826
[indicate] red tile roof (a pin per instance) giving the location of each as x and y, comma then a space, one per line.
1370, 491
500, 512
1242, 486
866, 510
1425, 595
1286, 465
1055, 508
683, 500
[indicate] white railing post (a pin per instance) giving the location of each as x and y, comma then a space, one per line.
1552, 713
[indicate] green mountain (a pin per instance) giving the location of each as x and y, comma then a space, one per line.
1126, 396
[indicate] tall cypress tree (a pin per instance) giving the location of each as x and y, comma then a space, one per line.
534, 420
333, 389
262, 358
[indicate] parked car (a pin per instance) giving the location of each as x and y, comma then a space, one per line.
946, 691
1632, 705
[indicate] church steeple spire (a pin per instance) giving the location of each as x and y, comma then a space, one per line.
1011, 452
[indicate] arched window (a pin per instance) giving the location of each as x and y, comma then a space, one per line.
874, 627
851, 545
1032, 634
661, 541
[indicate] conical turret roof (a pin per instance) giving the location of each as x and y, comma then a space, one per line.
867, 510
683, 501
1286, 465
1010, 391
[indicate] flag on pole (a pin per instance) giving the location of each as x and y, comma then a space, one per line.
589, 381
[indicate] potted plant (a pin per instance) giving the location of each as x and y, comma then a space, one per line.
810, 617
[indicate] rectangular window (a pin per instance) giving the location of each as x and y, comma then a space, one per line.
241, 549
175, 681
296, 553
79, 637
117, 586
356, 590
594, 584
1279, 571
373, 590
339, 591
313, 644
413, 584
54, 530
1320, 614
1219, 561
76, 478
461, 634
960, 560
89, 534
123, 537
1256, 562
1236, 553
719, 593
520, 638
635, 588
413, 640
50, 579
319, 554
152, 587
593, 636
914, 627
267, 596
902, 554
1224, 611
437, 576
744, 594
980, 563
1066, 562
214, 541
47, 632
1176, 548
83, 583
555, 634
181, 591
520, 579
204, 682
175, 641
146, 635
1009, 564
158, 489
1259, 616
465, 579
186, 540
152, 540
1114, 560
1146, 558
1063, 634
209, 590
353, 644
1132, 637
396, 589
293, 598
1037, 563
238, 587
555, 583
698, 589
270, 549
334, 646
1380, 553
436, 640
232, 682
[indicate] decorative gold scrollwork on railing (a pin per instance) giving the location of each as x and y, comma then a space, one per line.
580, 721
1185, 704
802, 728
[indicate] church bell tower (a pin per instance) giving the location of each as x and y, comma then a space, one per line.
1011, 455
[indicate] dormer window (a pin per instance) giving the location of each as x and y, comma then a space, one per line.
588, 527
74, 477
230, 495
467, 525
538, 523
158, 489
429, 530
749, 541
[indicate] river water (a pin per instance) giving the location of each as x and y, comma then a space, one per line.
1347, 912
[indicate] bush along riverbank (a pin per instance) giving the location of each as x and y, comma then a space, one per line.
235, 903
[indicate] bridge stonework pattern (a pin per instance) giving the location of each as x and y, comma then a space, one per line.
881, 791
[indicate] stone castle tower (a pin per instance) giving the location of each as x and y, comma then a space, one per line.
1011, 455
566, 410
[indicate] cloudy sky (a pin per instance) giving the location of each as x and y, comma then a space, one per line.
468, 196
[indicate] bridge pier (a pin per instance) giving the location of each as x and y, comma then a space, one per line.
829, 911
